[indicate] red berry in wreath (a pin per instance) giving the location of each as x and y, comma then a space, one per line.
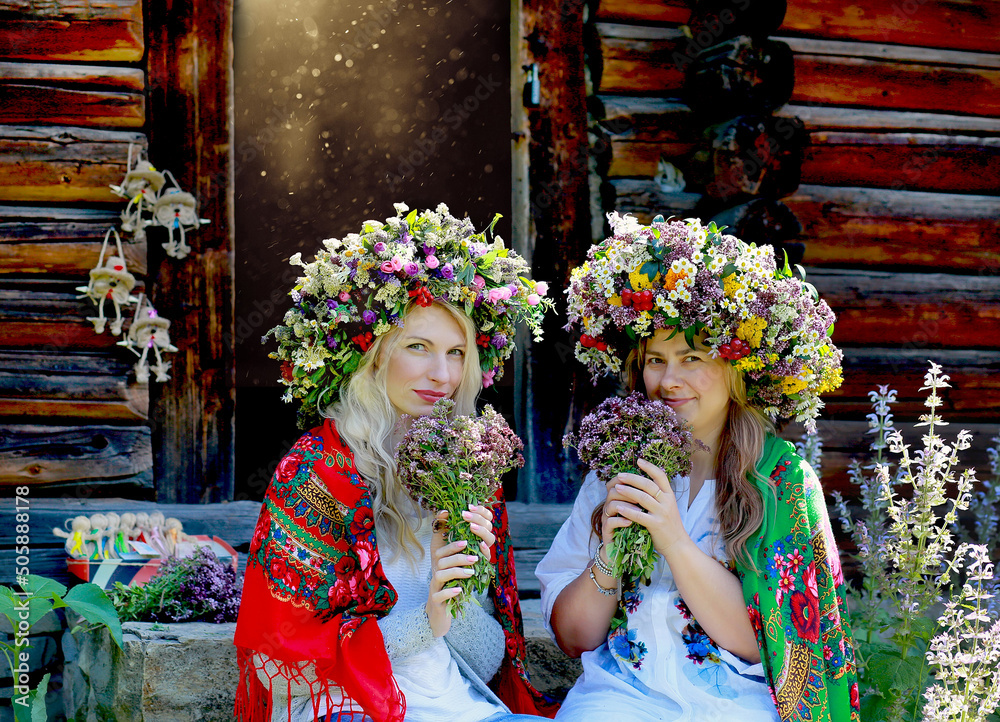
626, 297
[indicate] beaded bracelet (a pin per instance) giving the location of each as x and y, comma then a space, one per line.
603, 567
606, 591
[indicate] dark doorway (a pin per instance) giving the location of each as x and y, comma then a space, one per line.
342, 109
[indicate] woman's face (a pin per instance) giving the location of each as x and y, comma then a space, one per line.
692, 383
428, 362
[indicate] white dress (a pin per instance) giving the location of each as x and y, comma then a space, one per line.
665, 668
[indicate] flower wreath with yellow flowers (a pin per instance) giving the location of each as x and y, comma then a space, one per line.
357, 288
767, 323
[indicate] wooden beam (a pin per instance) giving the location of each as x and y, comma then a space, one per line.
739, 76
190, 75
640, 60
904, 161
101, 31
874, 227
40, 455
62, 164
911, 310
974, 392
822, 117
81, 95
859, 75
50, 317
674, 12
60, 241
69, 385
559, 156
955, 24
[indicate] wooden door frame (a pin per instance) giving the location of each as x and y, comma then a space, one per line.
190, 70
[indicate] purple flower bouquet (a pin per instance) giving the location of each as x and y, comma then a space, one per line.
611, 440
448, 463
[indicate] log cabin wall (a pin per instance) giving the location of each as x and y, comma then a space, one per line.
79, 83
863, 138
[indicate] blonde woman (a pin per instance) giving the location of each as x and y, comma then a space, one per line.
344, 613
744, 616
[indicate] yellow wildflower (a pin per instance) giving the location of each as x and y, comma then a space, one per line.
830, 379
752, 330
670, 282
615, 300
749, 363
730, 285
793, 384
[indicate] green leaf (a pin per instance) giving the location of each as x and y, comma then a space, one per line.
43, 586
487, 260
90, 602
411, 217
874, 708
892, 674
787, 270
658, 218
496, 218
38, 711
923, 627
650, 269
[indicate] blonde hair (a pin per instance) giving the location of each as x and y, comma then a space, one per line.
366, 421
738, 502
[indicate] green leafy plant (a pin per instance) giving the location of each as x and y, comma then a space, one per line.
909, 555
40, 596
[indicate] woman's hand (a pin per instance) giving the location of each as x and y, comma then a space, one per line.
646, 501
453, 561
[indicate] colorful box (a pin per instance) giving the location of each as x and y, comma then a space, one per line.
137, 569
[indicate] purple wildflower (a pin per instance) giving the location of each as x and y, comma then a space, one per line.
379, 247
411, 269
368, 317
499, 340
447, 272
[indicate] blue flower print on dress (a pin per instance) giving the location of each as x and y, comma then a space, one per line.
631, 599
624, 644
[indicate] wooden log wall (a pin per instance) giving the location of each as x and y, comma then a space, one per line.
80, 83
72, 101
879, 167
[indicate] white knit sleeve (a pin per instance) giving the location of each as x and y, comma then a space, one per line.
406, 633
478, 637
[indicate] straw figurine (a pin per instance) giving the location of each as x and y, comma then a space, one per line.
76, 545
149, 331
109, 280
141, 186
177, 211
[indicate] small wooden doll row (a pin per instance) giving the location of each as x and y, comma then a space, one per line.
107, 535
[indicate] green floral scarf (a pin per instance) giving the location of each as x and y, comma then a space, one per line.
795, 596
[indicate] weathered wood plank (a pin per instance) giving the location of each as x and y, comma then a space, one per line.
81, 95
635, 159
913, 310
650, 120
820, 117
60, 241
644, 11
974, 392
904, 161
49, 317
955, 24
63, 164
893, 84
872, 227
74, 30
640, 60
190, 65
69, 385
39, 455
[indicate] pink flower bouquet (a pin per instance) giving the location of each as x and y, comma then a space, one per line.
611, 440
448, 463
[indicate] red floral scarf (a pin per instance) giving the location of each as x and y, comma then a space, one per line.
314, 589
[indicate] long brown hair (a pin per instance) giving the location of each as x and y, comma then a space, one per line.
738, 502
